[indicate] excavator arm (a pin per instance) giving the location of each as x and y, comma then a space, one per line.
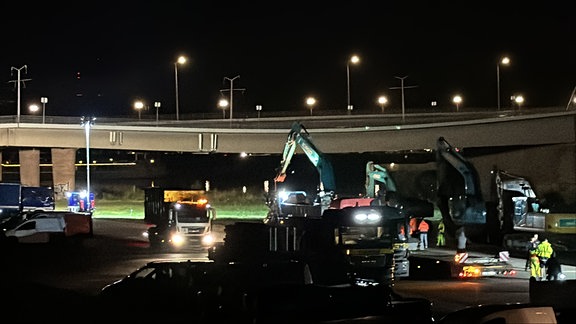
299, 136
459, 196
377, 174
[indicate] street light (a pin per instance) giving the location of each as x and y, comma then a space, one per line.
518, 99
44, 101
504, 61
231, 103
139, 105
310, 101
181, 60
87, 123
382, 101
223, 104
157, 105
457, 100
258, 110
25, 68
33, 108
354, 59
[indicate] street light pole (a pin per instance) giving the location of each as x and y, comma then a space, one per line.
354, 60
402, 87
504, 61
382, 100
19, 80
232, 94
457, 100
87, 123
181, 60
43, 100
258, 110
157, 105
311, 101
223, 103
139, 105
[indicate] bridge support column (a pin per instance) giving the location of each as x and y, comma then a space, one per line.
63, 171
29, 167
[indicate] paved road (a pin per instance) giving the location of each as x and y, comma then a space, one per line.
132, 230
119, 248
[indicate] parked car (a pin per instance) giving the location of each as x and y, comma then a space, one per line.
501, 313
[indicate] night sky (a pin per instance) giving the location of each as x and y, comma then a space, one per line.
98, 57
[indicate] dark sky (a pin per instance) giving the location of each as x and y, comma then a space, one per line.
283, 52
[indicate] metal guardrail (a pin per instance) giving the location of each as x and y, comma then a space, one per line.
255, 120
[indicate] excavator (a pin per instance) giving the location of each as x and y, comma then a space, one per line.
354, 244
347, 214
511, 216
295, 203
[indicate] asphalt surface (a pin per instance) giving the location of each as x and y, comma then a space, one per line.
132, 230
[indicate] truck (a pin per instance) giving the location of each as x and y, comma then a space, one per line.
10, 200
16, 198
178, 217
353, 245
508, 219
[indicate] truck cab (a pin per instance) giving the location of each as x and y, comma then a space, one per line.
178, 217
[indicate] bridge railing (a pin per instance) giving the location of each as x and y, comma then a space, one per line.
250, 119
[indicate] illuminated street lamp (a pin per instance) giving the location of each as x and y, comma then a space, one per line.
44, 101
223, 104
354, 59
157, 105
504, 61
258, 110
457, 100
181, 60
33, 108
382, 101
310, 101
139, 105
87, 123
518, 99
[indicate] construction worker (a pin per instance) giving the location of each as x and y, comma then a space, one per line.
532, 245
413, 225
535, 270
544, 252
423, 228
441, 239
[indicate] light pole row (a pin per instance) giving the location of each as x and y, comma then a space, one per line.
139, 105
354, 59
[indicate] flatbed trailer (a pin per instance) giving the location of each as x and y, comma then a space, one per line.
440, 263
466, 266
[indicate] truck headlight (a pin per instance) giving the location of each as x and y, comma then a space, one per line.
178, 239
367, 218
208, 240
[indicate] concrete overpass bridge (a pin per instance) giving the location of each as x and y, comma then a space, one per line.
547, 138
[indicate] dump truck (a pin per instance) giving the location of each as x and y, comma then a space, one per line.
178, 216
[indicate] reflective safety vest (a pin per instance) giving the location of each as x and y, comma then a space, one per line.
544, 250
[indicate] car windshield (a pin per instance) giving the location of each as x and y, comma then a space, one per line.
365, 236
